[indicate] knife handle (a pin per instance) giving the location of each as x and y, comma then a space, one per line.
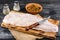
31, 26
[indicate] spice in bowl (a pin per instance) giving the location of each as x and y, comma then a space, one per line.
33, 8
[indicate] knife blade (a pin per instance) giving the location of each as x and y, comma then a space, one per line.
42, 21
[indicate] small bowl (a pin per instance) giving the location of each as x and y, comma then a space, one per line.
33, 8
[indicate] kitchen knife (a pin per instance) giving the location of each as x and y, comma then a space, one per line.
37, 23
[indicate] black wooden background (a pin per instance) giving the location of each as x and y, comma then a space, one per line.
26, 1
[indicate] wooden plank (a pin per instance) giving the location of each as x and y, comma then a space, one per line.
34, 32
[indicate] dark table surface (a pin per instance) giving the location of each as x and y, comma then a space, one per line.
5, 33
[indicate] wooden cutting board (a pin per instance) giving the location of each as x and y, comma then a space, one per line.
24, 36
